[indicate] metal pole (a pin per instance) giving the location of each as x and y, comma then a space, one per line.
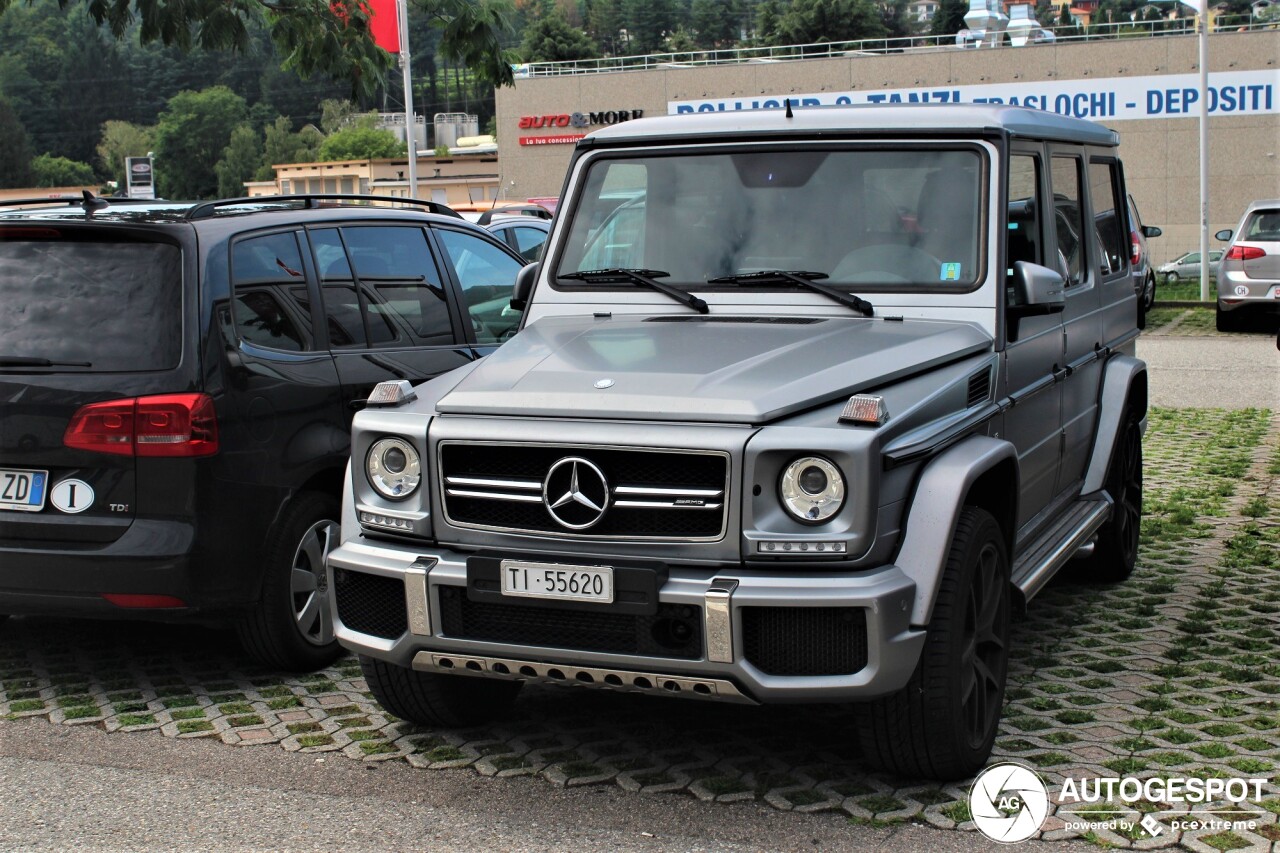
402, 21
1203, 9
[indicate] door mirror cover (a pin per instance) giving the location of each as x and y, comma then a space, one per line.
1037, 290
525, 280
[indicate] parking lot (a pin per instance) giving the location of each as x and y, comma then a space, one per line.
1174, 673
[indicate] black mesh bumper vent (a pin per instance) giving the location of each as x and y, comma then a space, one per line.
674, 631
805, 640
371, 604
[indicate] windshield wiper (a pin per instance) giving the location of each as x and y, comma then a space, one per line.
800, 278
32, 361
641, 277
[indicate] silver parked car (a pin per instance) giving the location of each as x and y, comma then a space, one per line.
1188, 266
803, 419
1249, 274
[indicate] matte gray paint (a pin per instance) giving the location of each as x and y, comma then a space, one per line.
715, 372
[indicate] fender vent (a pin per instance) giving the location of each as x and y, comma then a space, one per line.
979, 388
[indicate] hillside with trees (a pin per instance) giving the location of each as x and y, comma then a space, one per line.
220, 98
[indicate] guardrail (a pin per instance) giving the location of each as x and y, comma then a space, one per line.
872, 47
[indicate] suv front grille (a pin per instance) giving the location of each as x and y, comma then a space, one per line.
651, 494
805, 640
674, 631
371, 604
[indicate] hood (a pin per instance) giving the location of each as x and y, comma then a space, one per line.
695, 368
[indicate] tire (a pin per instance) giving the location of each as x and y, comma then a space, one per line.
1171, 278
943, 724
1116, 551
1149, 293
291, 628
433, 699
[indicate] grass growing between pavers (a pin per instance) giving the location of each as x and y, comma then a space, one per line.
1172, 673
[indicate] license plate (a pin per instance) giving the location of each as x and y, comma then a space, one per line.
558, 581
23, 490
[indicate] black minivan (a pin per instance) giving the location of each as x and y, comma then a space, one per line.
177, 383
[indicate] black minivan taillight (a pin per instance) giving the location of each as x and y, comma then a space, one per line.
157, 425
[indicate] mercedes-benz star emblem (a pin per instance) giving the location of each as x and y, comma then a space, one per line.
575, 493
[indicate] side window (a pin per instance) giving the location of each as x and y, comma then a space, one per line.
380, 287
265, 274
1023, 241
1068, 217
529, 242
1104, 186
487, 275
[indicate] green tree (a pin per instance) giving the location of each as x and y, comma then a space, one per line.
15, 165
313, 36
812, 21
648, 22
551, 39
896, 18
51, 171
240, 161
121, 139
949, 19
281, 145
715, 22
768, 22
604, 24
361, 143
190, 136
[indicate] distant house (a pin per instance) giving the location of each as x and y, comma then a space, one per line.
922, 11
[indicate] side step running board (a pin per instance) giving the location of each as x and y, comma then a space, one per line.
1057, 545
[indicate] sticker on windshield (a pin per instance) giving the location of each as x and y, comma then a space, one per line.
950, 272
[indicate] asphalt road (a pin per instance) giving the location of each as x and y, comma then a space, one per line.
65, 787
1222, 371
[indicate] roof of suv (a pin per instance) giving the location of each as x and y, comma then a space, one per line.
135, 211
910, 119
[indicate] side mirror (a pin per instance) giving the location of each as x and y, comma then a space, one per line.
1036, 290
524, 286
1224, 235
1150, 231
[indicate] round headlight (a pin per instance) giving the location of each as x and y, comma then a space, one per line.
812, 489
394, 468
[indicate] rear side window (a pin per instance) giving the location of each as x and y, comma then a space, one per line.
114, 306
1113, 233
270, 309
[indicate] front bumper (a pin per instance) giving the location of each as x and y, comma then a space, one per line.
722, 668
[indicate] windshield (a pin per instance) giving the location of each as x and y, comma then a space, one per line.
888, 218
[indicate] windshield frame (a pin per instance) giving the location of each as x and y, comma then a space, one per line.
593, 159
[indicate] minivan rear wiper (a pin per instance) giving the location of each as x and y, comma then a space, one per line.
31, 361
645, 278
800, 278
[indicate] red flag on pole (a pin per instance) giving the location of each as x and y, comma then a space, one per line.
383, 24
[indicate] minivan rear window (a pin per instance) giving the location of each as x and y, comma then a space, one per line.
116, 307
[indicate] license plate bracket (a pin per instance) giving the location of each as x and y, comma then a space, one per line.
23, 490
635, 587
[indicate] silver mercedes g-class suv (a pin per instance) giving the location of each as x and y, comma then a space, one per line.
802, 406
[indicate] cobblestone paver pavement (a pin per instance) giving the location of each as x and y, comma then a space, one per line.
1174, 673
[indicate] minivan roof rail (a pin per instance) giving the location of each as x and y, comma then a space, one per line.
313, 200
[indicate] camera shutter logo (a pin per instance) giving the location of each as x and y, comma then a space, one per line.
1008, 803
